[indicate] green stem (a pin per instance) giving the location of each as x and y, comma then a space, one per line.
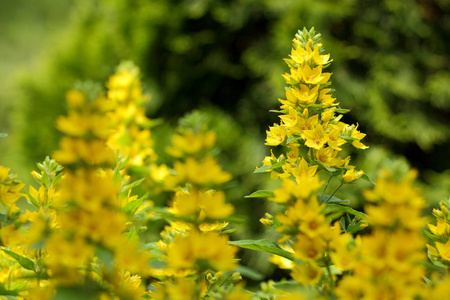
331, 196
327, 264
326, 185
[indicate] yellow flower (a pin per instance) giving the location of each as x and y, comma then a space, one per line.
315, 138
303, 171
306, 248
210, 204
441, 228
190, 142
202, 173
75, 99
358, 135
275, 135
9, 187
351, 175
307, 273
444, 250
334, 141
186, 252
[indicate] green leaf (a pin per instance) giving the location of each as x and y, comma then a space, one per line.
342, 110
131, 207
264, 246
117, 178
131, 185
324, 198
33, 201
263, 169
333, 208
5, 292
329, 169
2, 135
367, 178
267, 168
348, 138
284, 111
71, 293
260, 194
22, 260
106, 256
132, 236
293, 138
249, 273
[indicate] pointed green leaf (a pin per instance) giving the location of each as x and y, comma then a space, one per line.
131, 207
342, 110
332, 208
5, 292
264, 246
22, 260
33, 201
249, 273
131, 185
267, 168
329, 169
367, 178
324, 198
260, 194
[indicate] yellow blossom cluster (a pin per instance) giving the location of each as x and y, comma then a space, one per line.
90, 214
132, 136
439, 233
312, 134
389, 260
311, 126
199, 212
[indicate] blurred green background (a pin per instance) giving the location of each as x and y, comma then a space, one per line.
224, 59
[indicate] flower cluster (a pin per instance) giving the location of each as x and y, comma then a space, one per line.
199, 214
312, 134
311, 126
389, 260
439, 233
132, 136
93, 228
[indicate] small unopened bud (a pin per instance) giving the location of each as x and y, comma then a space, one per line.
236, 276
438, 213
266, 222
444, 209
36, 176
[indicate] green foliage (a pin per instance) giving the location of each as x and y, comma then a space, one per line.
264, 246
